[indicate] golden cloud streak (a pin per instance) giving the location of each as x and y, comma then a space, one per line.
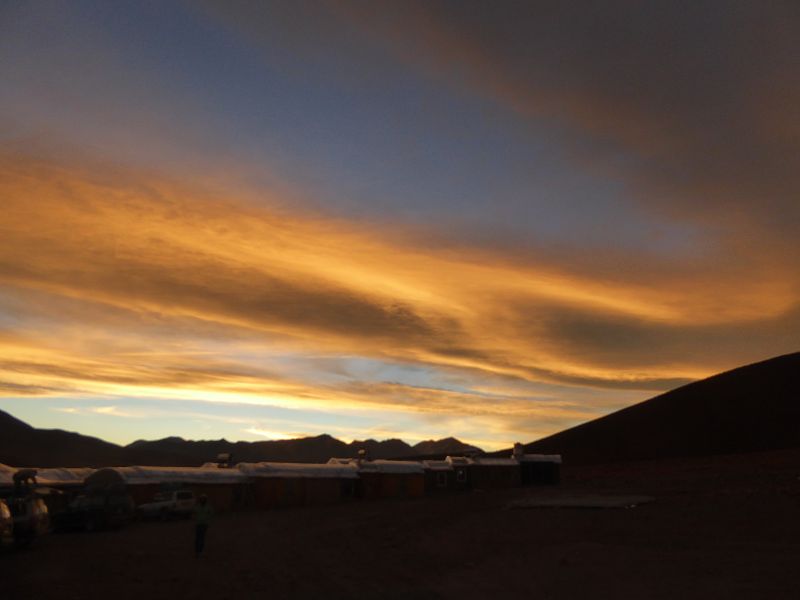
149, 250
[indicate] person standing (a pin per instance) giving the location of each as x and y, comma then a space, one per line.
203, 513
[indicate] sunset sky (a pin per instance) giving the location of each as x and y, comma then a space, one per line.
489, 220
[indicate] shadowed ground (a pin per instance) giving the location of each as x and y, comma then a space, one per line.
726, 527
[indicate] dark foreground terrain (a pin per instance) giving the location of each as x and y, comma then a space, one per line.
726, 527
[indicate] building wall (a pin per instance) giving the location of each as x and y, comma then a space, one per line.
540, 473
375, 485
487, 477
222, 497
275, 492
326, 491
438, 482
143, 493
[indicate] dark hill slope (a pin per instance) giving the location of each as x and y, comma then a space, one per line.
22, 445
749, 409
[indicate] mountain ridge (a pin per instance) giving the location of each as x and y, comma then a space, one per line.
22, 445
751, 408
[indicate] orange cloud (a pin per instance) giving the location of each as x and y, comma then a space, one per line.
692, 109
126, 284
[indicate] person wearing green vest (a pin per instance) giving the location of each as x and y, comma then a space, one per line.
203, 513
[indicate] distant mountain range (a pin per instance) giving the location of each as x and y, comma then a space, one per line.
749, 409
24, 446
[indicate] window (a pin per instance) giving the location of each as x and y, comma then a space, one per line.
461, 475
441, 479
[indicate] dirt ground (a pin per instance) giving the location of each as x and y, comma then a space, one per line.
726, 527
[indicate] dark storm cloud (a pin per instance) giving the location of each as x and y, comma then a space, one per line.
611, 340
695, 103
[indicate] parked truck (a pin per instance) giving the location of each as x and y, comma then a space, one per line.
165, 505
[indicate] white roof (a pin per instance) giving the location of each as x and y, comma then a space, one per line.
6, 474
552, 458
49, 476
437, 465
142, 475
63, 475
301, 470
459, 461
382, 466
392, 466
495, 462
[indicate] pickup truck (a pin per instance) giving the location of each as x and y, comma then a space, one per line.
169, 504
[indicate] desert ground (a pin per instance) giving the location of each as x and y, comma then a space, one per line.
720, 527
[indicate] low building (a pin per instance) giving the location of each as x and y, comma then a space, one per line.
6, 478
462, 477
494, 473
387, 478
277, 485
227, 489
55, 486
62, 478
439, 476
540, 469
